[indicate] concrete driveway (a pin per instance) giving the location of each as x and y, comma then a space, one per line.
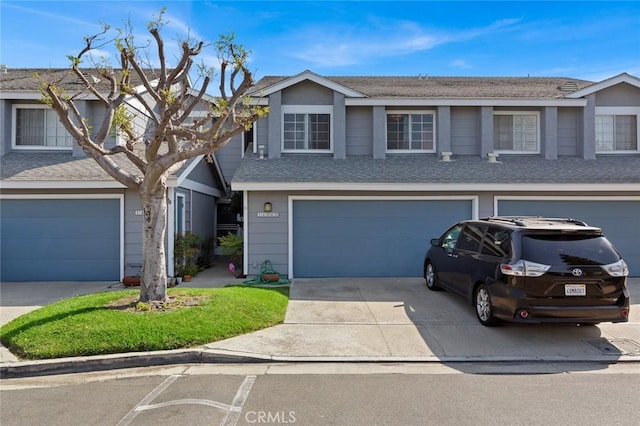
399, 319
379, 319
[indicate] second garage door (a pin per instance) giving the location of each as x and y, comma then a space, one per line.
618, 219
368, 238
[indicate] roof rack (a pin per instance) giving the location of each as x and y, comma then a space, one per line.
522, 220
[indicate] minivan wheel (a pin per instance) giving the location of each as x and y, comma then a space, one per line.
484, 309
430, 277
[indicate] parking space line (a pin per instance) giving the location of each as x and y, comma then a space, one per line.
147, 399
238, 402
206, 402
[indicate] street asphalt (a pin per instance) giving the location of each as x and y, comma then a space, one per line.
350, 320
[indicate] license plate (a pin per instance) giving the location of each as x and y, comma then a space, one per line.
575, 290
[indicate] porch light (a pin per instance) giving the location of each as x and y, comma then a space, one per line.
267, 208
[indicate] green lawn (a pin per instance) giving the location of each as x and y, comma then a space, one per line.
106, 323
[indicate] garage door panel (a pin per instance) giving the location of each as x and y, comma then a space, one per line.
368, 237
60, 239
618, 220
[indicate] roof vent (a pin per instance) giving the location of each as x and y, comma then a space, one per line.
568, 86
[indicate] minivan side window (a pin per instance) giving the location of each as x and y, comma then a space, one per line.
450, 238
471, 238
497, 242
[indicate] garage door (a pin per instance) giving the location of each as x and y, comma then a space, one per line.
60, 240
618, 220
367, 238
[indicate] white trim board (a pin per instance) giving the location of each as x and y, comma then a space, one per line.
291, 198
498, 198
60, 184
455, 187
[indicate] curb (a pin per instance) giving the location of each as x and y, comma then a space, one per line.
202, 355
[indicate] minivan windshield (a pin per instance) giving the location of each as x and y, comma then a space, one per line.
568, 249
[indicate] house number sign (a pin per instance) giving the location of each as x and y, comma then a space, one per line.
268, 214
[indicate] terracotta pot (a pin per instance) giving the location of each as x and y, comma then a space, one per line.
270, 277
131, 281
186, 278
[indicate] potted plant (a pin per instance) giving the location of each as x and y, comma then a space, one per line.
131, 280
186, 247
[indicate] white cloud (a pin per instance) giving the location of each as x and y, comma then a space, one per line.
342, 45
461, 63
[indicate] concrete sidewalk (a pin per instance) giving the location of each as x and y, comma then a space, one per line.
366, 319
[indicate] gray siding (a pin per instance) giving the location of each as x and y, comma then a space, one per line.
261, 136
549, 133
567, 131
359, 131
132, 233
229, 157
622, 94
307, 93
267, 236
464, 131
203, 173
203, 215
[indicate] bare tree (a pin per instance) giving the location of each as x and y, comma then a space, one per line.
172, 134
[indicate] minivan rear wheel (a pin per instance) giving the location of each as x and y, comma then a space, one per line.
431, 277
484, 309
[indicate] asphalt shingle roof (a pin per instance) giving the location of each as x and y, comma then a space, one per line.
44, 166
26, 79
428, 169
448, 87
36, 166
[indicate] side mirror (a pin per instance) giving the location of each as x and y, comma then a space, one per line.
435, 241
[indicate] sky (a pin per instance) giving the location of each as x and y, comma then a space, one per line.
578, 39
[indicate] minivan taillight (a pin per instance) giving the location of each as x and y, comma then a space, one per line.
524, 268
618, 269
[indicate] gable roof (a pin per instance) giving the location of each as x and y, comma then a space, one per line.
269, 85
433, 87
596, 87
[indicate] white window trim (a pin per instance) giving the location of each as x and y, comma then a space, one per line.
307, 109
538, 141
14, 119
621, 111
410, 151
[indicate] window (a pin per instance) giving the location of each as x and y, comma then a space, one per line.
497, 242
516, 132
411, 131
450, 239
38, 127
470, 238
616, 133
306, 129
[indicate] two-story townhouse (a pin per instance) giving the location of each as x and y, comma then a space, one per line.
61, 216
351, 176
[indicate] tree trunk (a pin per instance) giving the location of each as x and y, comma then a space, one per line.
153, 285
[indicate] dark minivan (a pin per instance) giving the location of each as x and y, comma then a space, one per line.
531, 269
